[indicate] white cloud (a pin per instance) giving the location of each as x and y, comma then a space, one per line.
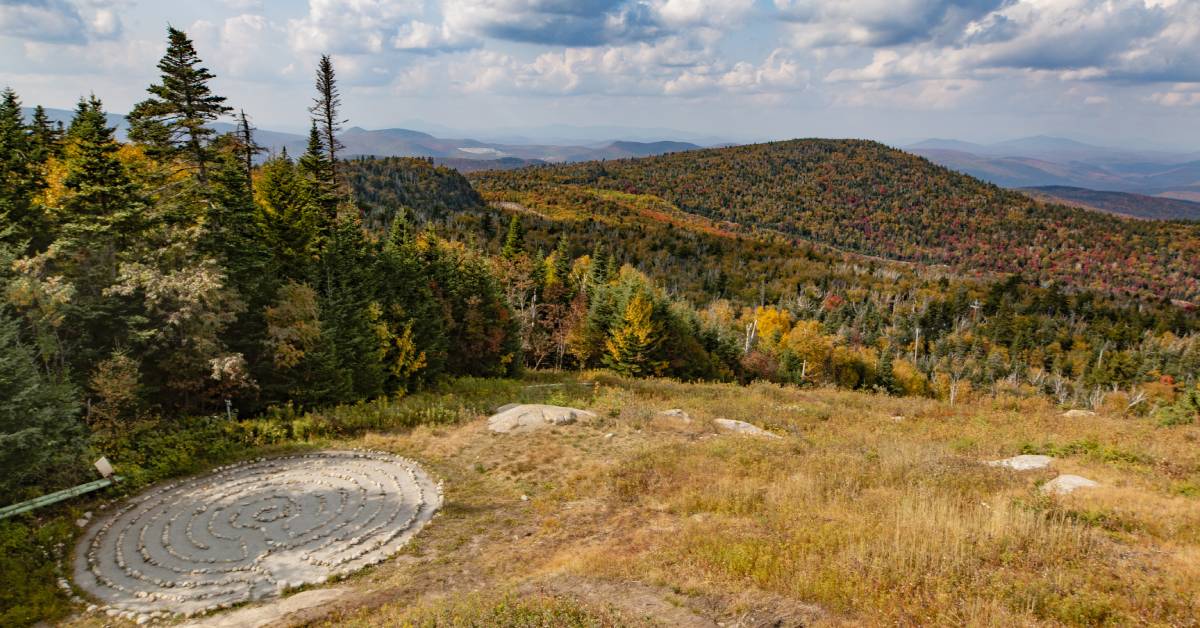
58, 21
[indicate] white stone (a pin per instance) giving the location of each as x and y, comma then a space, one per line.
676, 413
742, 427
530, 417
1065, 484
1077, 413
1024, 462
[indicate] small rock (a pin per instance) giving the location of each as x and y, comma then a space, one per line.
609, 435
676, 413
897, 418
1065, 484
142, 620
742, 427
524, 498
529, 417
1077, 413
1024, 462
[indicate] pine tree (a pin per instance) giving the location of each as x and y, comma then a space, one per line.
514, 241
174, 122
326, 115
633, 344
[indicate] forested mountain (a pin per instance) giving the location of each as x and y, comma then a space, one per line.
865, 197
1124, 203
153, 279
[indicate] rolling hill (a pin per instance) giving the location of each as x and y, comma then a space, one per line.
1124, 203
870, 199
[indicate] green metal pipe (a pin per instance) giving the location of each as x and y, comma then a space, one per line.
53, 498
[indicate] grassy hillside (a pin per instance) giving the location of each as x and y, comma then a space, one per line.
868, 511
868, 198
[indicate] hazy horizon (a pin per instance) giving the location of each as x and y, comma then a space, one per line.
1114, 72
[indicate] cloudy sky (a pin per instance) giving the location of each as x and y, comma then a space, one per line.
1118, 71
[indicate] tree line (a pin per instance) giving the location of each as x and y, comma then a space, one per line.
164, 275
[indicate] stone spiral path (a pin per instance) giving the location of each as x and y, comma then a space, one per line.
251, 530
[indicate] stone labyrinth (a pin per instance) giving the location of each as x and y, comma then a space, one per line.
252, 530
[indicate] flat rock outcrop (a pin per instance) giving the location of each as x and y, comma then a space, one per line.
529, 417
1024, 462
1067, 483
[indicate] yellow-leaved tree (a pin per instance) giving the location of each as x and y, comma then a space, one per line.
633, 343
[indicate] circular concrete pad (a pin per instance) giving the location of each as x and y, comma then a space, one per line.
252, 530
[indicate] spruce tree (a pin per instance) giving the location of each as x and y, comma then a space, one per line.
103, 203
291, 219
249, 148
45, 135
174, 122
315, 166
514, 241
21, 221
326, 115
347, 290
886, 375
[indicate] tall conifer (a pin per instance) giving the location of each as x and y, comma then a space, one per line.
174, 121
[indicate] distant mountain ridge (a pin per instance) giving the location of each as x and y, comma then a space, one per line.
1051, 161
1124, 203
400, 142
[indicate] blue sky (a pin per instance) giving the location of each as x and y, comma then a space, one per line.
1116, 71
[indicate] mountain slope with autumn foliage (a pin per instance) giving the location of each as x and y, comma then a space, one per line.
868, 198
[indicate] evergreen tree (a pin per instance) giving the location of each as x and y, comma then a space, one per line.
103, 202
632, 347
347, 291
45, 135
408, 306
886, 375
326, 115
41, 437
249, 148
317, 169
21, 221
513, 242
291, 219
174, 121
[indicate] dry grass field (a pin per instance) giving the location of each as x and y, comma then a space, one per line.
869, 510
